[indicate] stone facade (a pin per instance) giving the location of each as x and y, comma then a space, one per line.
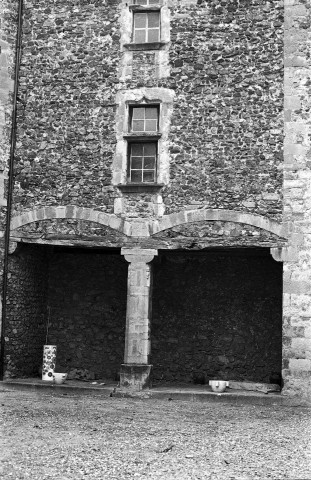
229, 144
216, 76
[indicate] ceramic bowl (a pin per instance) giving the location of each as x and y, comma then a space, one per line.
59, 378
218, 385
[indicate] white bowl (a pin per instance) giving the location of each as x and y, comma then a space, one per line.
218, 385
59, 378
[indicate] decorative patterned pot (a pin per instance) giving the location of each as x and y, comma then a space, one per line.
49, 361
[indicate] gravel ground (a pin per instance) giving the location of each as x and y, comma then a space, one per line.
48, 436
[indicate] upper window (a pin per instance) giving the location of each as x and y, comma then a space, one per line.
144, 119
146, 28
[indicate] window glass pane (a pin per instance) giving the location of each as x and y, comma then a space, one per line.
151, 126
139, 112
136, 163
151, 112
138, 126
136, 176
153, 35
153, 2
149, 162
149, 149
140, 36
137, 149
153, 19
148, 176
140, 20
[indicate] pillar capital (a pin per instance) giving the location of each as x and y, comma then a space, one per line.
139, 255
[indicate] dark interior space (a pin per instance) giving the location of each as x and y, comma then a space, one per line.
73, 298
216, 314
87, 310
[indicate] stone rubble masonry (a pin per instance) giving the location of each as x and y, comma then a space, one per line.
194, 235
8, 11
26, 311
226, 129
297, 200
66, 137
8, 23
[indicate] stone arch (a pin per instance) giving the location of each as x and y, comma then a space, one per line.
190, 216
68, 212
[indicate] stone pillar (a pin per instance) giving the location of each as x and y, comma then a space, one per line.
135, 372
297, 203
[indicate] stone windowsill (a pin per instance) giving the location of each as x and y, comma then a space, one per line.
142, 136
140, 187
145, 46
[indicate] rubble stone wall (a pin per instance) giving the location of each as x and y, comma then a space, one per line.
26, 311
227, 125
216, 316
8, 23
66, 118
225, 140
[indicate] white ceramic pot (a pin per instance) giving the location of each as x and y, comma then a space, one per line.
218, 386
59, 378
49, 361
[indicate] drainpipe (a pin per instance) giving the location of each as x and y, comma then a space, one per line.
10, 184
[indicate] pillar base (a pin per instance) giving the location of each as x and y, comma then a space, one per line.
135, 377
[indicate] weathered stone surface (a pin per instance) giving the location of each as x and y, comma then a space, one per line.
66, 122
138, 310
297, 191
226, 130
211, 234
70, 229
136, 377
227, 123
26, 312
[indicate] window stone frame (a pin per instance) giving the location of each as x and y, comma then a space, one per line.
125, 100
161, 48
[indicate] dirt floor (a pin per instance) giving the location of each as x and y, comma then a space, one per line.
64, 436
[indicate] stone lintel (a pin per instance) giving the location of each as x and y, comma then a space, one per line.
136, 377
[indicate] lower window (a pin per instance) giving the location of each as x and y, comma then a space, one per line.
142, 162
